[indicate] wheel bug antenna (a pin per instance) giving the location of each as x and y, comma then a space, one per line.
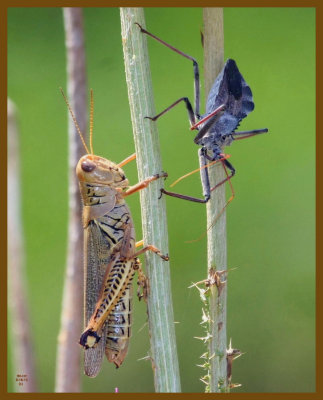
198, 169
222, 211
75, 122
91, 121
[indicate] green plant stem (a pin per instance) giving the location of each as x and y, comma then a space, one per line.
216, 238
153, 209
21, 331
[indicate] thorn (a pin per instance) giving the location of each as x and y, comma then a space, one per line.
197, 283
143, 326
201, 291
204, 381
234, 385
204, 366
146, 358
205, 355
205, 317
205, 339
232, 354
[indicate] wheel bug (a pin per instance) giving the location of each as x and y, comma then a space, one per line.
229, 101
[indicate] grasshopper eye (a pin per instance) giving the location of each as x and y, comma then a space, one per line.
88, 166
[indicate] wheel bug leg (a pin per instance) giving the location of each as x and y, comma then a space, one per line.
189, 108
195, 68
228, 178
202, 153
226, 163
204, 173
204, 179
246, 134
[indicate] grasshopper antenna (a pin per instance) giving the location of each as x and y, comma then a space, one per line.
75, 122
91, 122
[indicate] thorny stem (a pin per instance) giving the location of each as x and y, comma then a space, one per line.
68, 351
216, 239
17, 292
160, 309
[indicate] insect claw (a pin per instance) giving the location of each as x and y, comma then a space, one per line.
151, 118
139, 295
165, 257
140, 27
161, 175
161, 193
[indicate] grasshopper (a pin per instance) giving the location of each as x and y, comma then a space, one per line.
110, 257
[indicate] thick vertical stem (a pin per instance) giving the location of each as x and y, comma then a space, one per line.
217, 245
24, 368
68, 351
153, 209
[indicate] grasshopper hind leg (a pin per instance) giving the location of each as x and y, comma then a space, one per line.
119, 329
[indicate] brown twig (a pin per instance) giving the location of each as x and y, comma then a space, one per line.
24, 365
68, 351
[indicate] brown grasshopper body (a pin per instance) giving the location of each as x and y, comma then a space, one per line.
109, 242
110, 259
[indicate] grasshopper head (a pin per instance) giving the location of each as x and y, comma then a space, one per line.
98, 170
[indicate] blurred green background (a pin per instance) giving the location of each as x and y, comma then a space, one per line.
270, 223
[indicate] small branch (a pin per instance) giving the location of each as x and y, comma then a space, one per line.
217, 245
153, 209
24, 364
68, 351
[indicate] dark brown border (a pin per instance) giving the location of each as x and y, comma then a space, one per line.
3, 171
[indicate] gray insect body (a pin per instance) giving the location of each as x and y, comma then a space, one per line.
229, 101
231, 90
